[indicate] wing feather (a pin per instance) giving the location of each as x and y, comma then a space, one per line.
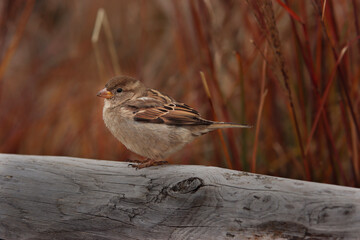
169, 112
155, 107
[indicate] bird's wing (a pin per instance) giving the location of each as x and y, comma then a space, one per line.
171, 114
162, 109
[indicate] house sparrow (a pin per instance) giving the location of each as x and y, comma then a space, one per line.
150, 123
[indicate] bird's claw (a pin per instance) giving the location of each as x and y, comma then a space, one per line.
135, 160
147, 163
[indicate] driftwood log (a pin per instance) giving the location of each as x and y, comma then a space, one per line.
44, 197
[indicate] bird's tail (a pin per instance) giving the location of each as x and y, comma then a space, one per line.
218, 125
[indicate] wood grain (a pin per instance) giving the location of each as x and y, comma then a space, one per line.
43, 197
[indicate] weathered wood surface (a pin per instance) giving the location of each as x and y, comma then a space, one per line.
44, 197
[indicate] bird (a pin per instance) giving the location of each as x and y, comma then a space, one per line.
150, 123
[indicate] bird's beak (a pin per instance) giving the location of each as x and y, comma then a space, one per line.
104, 93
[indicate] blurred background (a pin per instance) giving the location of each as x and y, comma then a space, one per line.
289, 68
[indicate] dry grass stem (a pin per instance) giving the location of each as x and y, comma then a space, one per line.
102, 21
222, 140
29, 5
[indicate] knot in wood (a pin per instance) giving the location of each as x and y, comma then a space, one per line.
189, 185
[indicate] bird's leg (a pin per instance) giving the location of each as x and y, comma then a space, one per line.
148, 163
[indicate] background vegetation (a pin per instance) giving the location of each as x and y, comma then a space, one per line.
289, 68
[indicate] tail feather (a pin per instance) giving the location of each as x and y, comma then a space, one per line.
218, 125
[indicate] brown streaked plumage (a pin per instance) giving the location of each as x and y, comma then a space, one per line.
150, 123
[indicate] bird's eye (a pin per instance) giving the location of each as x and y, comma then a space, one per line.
119, 90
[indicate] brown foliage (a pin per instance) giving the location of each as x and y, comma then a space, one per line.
309, 126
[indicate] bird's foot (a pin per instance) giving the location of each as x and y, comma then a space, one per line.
147, 163
136, 160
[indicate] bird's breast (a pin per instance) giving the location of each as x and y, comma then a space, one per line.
151, 140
